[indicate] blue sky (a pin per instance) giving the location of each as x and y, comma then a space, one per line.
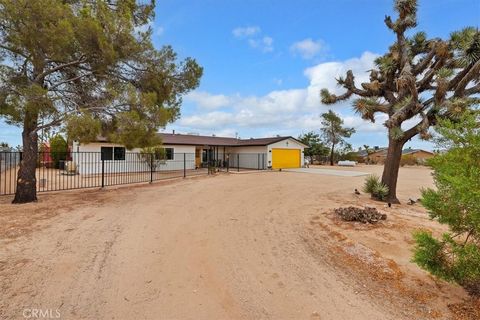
265, 61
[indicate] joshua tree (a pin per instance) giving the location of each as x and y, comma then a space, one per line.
418, 78
333, 131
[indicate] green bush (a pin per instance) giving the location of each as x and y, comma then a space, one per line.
456, 202
380, 191
408, 160
58, 150
370, 183
449, 259
375, 187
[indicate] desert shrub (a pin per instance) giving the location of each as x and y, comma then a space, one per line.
375, 187
455, 202
58, 150
153, 156
370, 183
380, 191
408, 160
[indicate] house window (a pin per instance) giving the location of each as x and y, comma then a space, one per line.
169, 153
112, 153
107, 153
118, 153
164, 154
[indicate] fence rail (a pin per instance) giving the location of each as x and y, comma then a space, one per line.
77, 170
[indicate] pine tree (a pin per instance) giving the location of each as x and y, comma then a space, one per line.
86, 64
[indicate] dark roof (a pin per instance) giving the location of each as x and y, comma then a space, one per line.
409, 151
363, 152
197, 140
188, 139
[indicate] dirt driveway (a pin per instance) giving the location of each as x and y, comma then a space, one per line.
244, 246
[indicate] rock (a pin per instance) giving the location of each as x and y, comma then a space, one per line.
365, 215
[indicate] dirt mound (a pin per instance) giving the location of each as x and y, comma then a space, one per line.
365, 215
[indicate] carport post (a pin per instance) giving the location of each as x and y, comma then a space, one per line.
238, 162
258, 161
184, 165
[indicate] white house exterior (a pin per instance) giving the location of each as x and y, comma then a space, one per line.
190, 152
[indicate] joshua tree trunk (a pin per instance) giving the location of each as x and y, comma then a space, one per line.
391, 167
331, 154
26, 180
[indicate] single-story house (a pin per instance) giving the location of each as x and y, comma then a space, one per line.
194, 151
379, 154
419, 155
376, 155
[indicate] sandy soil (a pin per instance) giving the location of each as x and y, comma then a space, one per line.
235, 246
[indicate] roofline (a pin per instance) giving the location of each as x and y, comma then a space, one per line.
220, 145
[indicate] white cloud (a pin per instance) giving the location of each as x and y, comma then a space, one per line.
290, 110
248, 31
265, 44
254, 38
208, 101
278, 81
308, 48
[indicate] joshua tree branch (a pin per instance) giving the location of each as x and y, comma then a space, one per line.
423, 64
472, 73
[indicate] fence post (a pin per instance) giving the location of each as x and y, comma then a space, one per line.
258, 161
151, 168
103, 173
238, 162
184, 164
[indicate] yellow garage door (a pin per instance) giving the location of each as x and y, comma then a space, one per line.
285, 158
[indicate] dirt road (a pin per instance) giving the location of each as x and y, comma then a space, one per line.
244, 246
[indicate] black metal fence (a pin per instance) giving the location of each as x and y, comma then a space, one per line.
76, 170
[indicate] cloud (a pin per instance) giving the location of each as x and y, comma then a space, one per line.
208, 101
288, 111
241, 32
265, 44
254, 39
308, 48
278, 81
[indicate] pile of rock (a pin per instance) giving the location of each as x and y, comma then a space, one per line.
365, 215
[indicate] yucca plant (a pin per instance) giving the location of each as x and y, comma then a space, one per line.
374, 186
370, 183
380, 191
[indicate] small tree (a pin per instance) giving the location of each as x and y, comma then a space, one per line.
455, 202
418, 79
333, 132
316, 149
58, 150
153, 156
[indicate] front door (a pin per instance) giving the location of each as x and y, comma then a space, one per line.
198, 157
